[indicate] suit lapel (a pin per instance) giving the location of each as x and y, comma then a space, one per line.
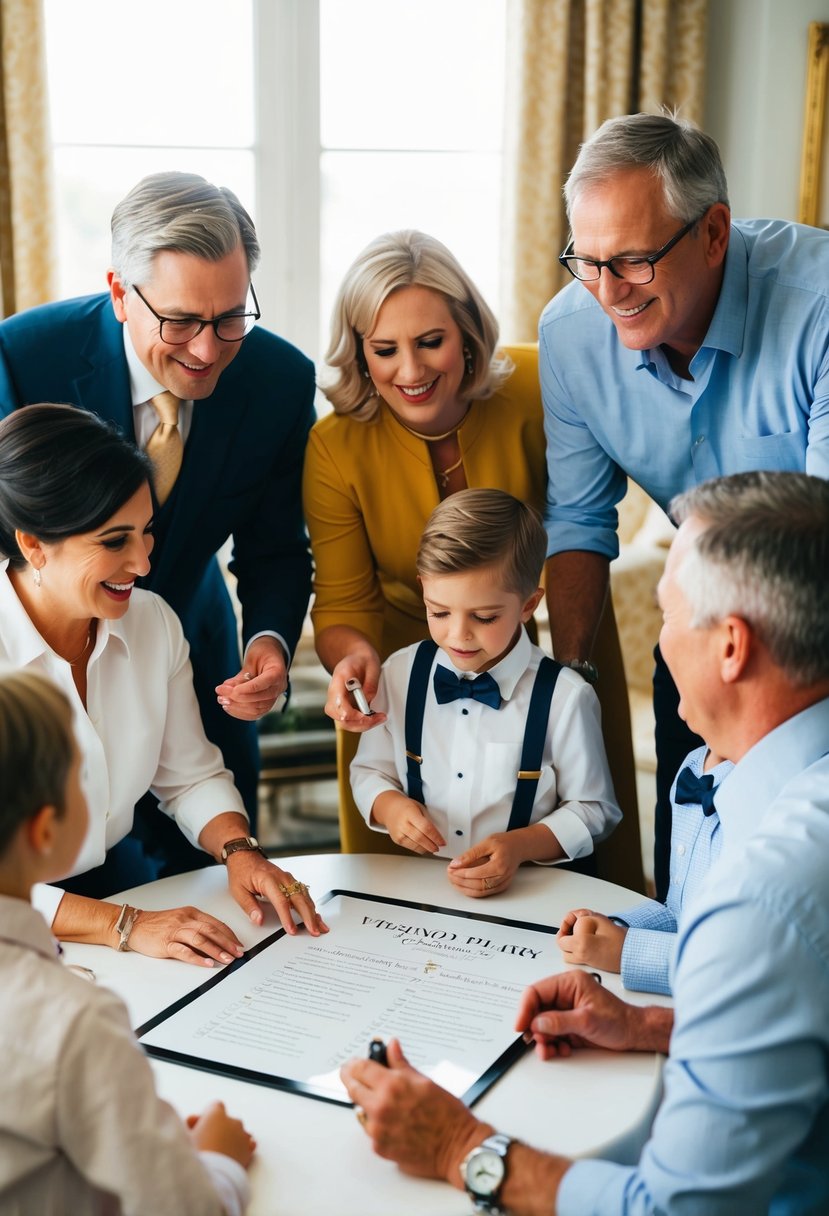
105, 388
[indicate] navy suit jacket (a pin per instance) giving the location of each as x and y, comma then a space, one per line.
241, 478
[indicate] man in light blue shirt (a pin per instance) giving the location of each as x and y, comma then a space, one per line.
692, 347
744, 1123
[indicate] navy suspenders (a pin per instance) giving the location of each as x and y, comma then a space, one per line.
415, 705
535, 731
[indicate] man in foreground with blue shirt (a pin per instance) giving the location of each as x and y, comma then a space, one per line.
691, 346
743, 1127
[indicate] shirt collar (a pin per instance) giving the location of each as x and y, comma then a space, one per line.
24, 926
22, 641
143, 386
754, 784
507, 672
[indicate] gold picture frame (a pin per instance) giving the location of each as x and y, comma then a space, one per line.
813, 203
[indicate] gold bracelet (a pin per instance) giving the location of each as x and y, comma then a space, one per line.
125, 924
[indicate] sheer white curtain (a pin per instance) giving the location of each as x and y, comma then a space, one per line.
26, 213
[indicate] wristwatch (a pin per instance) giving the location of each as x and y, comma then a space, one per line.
243, 844
588, 671
483, 1171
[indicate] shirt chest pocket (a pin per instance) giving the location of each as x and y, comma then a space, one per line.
777, 453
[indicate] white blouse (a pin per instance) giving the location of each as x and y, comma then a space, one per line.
141, 728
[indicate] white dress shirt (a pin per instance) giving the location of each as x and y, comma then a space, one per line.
141, 728
472, 754
82, 1130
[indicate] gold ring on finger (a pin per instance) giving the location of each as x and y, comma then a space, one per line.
362, 1117
296, 888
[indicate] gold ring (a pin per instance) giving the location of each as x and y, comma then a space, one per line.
362, 1117
296, 888
487, 884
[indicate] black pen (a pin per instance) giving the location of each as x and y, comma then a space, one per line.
377, 1052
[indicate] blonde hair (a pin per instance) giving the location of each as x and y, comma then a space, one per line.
488, 527
406, 259
36, 748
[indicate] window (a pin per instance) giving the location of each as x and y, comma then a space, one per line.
332, 121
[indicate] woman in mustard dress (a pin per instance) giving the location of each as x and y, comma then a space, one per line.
424, 405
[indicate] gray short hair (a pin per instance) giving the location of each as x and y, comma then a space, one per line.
181, 212
475, 528
684, 159
764, 557
406, 259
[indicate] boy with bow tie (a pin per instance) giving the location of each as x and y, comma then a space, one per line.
491, 753
640, 942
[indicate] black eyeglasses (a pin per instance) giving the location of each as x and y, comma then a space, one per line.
229, 327
634, 269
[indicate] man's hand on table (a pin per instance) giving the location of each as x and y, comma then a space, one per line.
410, 1119
572, 1010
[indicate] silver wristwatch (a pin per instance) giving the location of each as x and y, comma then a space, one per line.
483, 1171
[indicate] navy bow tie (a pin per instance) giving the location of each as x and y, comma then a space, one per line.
697, 790
449, 687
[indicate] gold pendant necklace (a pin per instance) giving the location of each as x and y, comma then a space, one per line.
445, 474
77, 659
433, 438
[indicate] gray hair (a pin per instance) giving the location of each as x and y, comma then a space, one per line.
181, 212
684, 159
764, 557
406, 259
475, 528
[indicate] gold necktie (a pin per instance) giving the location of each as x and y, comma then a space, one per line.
165, 446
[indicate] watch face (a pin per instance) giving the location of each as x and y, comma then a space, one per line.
484, 1172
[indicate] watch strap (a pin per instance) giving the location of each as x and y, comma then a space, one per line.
497, 1143
242, 844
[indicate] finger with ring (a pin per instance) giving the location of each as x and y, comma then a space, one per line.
362, 1117
487, 885
296, 888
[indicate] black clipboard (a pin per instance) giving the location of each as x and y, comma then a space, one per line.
306, 1088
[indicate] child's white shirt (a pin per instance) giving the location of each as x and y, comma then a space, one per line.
472, 754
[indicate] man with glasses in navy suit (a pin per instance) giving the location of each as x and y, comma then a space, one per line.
180, 318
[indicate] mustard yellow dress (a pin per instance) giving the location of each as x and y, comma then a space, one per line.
368, 489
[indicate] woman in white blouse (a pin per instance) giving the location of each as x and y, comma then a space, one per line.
76, 517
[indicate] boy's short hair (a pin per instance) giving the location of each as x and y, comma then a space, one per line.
476, 528
36, 749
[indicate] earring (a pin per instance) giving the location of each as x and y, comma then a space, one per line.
365, 373
37, 576
468, 363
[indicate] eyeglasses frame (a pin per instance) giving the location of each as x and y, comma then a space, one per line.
650, 258
214, 321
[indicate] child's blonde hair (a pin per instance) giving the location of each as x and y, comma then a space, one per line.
476, 528
36, 748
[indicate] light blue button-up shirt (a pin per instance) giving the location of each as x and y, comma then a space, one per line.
696, 839
743, 1128
759, 397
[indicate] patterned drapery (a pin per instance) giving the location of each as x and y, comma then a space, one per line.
571, 64
26, 211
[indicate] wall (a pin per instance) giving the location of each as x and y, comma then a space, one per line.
755, 95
